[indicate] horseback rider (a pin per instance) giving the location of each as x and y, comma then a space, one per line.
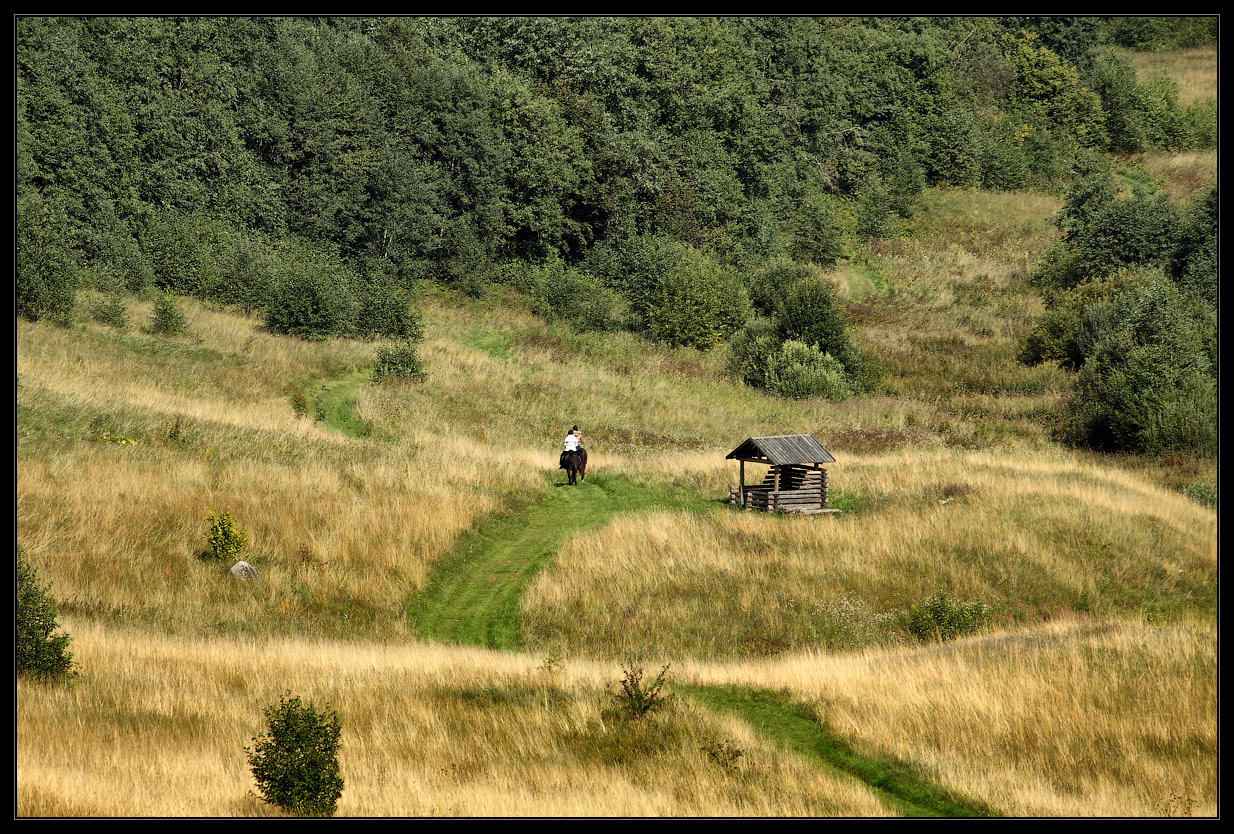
571, 445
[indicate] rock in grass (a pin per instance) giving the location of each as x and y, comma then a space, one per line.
243, 570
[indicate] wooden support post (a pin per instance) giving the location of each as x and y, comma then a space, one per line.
776, 493
743, 484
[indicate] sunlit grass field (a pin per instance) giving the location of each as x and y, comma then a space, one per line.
1194, 70
1093, 692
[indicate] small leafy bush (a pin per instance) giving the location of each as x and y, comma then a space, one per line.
637, 700
564, 293
41, 653
942, 617
810, 313
166, 319
699, 304
244, 276
180, 251
399, 361
817, 234
1203, 492
751, 349
312, 298
225, 540
111, 312
1147, 384
295, 764
771, 283
383, 309
1137, 231
800, 370
635, 268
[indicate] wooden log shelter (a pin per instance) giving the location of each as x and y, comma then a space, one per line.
796, 481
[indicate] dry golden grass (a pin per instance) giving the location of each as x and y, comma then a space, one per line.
1194, 70
1182, 176
1066, 719
339, 526
178, 659
1034, 537
156, 726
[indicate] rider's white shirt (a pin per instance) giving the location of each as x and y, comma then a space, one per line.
571, 443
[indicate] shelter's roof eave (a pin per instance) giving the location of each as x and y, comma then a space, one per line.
782, 449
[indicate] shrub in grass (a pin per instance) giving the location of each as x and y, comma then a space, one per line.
1147, 384
166, 319
809, 313
817, 235
110, 311
638, 700
725, 754
383, 309
942, 617
635, 268
295, 764
564, 293
751, 349
399, 361
698, 304
800, 370
244, 276
41, 653
312, 299
225, 540
1138, 230
1203, 492
771, 283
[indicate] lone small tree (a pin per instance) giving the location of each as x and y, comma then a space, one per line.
40, 653
225, 540
296, 763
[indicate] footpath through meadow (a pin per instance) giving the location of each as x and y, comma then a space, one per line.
472, 598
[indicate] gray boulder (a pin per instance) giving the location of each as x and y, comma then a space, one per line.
243, 570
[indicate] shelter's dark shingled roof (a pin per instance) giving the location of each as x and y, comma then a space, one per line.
781, 450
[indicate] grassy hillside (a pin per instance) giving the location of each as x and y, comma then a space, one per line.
1091, 692
1194, 70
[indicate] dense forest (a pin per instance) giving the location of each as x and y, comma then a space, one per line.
686, 178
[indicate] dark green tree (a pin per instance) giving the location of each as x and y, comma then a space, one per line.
46, 265
295, 764
41, 651
809, 313
1148, 383
1193, 263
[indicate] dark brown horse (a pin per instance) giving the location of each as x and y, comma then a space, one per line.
575, 464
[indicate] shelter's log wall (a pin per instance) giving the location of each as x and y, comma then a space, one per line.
802, 488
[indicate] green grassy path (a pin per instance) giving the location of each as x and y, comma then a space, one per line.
334, 403
792, 726
472, 596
